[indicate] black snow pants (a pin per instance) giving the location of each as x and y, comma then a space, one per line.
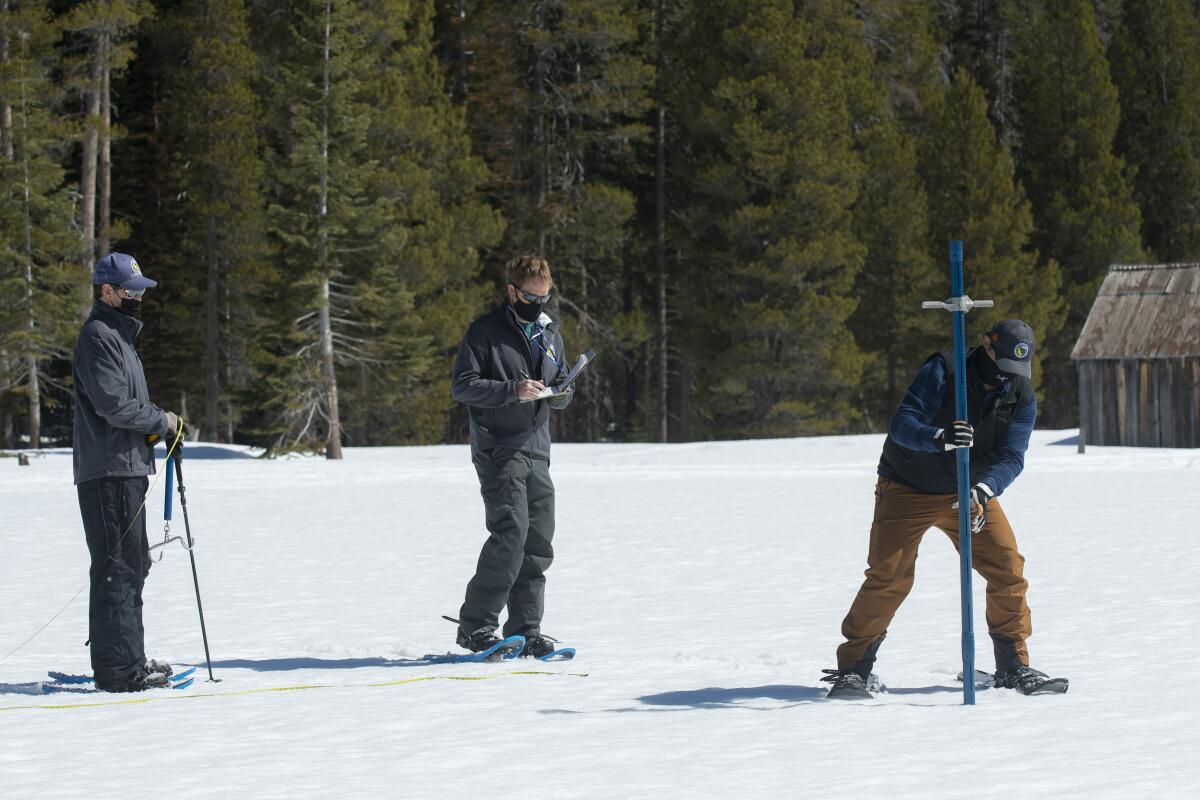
120, 563
518, 498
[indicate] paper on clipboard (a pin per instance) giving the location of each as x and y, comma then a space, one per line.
562, 387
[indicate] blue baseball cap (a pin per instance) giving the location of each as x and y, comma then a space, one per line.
121, 270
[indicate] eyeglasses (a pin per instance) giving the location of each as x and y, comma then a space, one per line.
132, 294
540, 299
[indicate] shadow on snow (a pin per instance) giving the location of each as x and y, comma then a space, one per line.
714, 697
744, 697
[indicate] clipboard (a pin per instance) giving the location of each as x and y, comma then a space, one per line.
562, 387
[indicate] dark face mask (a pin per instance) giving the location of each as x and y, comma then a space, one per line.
987, 369
131, 308
527, 311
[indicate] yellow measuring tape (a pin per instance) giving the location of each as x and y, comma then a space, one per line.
185, 695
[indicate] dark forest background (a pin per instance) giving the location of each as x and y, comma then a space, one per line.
744, 201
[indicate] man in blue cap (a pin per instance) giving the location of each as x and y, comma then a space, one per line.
114, 420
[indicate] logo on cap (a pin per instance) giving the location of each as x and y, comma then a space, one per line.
1021, 350
134, 266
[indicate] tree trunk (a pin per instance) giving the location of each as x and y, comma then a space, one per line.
333, 438
333, 442
34, 386
226, 326
212, 365
6, 428
104, 168
460, 89
6, 119
660, 222
539, 130
87, 171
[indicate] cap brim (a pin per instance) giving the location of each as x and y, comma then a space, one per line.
139, 282
1015, 367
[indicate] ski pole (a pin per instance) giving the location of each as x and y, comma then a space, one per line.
959, 304
192, 555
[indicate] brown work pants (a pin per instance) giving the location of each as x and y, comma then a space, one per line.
902, 515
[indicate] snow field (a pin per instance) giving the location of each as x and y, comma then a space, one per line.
704, 585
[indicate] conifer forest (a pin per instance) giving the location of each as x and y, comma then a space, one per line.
744, 202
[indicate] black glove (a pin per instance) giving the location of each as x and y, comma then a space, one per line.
980, 495
960, 434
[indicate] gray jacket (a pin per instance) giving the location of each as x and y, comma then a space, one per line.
490, 363
113, 412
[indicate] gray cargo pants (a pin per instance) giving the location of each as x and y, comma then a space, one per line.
518, 498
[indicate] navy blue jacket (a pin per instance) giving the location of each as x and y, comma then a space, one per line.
996, 463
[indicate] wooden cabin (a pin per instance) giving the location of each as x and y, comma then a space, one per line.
1138, 358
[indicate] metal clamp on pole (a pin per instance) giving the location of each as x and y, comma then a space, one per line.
167, 537
963, 304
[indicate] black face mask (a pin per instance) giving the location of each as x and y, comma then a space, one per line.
987, 369
131, 308
527, 311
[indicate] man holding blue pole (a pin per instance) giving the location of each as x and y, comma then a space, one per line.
917, 490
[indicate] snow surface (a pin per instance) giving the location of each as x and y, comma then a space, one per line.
704, 585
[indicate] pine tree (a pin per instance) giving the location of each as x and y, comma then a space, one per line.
211, 115
36, 242
1156, 68
890, 60
103, 28
378, 225
1083, 208
775, 257
973, 196
905, 42
899, 272
558, 104
983, 41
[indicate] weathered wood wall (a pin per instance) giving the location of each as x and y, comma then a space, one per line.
1140, 402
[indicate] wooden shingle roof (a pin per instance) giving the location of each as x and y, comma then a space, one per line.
1144, 311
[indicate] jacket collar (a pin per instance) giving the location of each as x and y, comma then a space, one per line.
127, 327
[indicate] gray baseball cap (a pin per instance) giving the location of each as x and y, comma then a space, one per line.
1013, 341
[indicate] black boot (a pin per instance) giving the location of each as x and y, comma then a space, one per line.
1006, 653
138, 682
1028, 680
847, 685
478, 640
538, 645
154, 667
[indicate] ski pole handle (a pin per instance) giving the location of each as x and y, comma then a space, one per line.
170, 489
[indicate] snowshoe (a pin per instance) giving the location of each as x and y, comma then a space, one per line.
1028, 680
849, 685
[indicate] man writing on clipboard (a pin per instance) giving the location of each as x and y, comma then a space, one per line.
507, 361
